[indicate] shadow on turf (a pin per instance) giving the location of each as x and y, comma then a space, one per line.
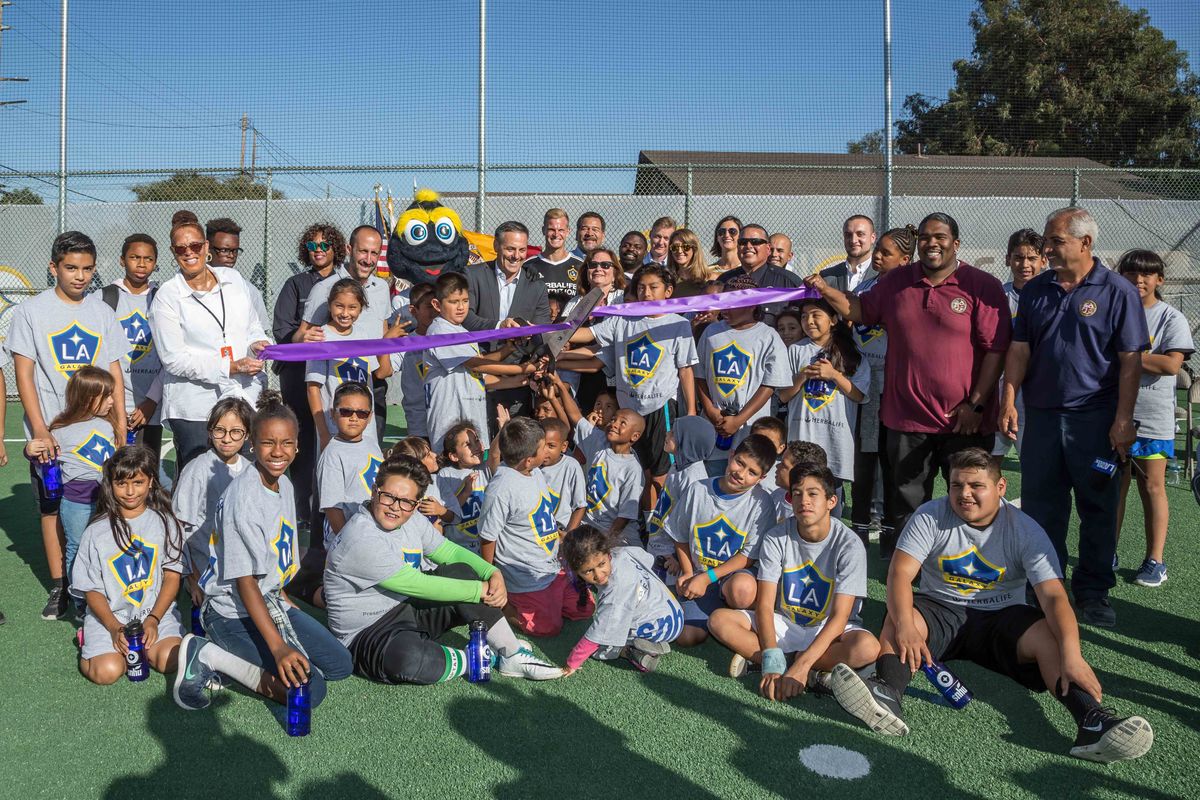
21, 524
240, 766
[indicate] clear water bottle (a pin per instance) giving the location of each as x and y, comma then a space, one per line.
955, 692
136, 666
479, 655
52, 479
1174, 473
197, 626
299, 711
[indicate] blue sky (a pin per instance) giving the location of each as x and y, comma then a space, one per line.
164, 84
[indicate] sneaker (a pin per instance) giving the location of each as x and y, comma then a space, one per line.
820, 683
1105, 738
644, 654
870, 700
56, 604
1151, 573
192, 677
524, 664
1116, 562
739, 667
1098, 612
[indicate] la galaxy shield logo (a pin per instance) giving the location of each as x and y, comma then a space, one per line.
284, 542
661, 510
367, 476
137, 332
818, 393
412, 558
95, 450
642, 357
134, 569
865, 334
806, 594
969, 572
73, 347
469, 524
351, 370
730, 365
717, 541
598, 486
543, 524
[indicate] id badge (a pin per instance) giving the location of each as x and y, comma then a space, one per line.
227, 352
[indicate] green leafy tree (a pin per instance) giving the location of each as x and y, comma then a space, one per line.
20, 197
1088, 78
870, 144
194, 186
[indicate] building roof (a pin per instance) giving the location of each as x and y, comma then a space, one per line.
659, 172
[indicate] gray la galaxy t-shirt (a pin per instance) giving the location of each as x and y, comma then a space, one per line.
199, 488
736, 363
1155, 409
452, 393
346, 473
646, 354
614, 487
716, 526
568, 484
822, 414
518, 515
129, 579
634, 604
809, 574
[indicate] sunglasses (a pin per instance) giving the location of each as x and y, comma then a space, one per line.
194, 248
601, 265
727, 231
682, 248
357, 413
389, 500
752, 242
315, 246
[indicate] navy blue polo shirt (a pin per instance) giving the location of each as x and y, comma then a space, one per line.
1074, 337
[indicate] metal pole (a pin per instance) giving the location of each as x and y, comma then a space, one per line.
887, 115
1075, 187
62, 124
687, 200
482, 162
267, 240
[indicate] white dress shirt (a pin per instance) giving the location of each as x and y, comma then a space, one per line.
188, 335
856, 276
508, 289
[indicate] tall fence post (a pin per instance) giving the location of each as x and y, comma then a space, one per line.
1075, 187
267, 244
482, 164
687, 200
887, 115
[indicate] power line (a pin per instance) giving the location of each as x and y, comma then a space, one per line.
15, 171
124, 125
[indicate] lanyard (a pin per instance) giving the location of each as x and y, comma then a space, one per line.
221, 321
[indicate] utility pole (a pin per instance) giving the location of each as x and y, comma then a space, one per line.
253, 151
242, 162
3, 28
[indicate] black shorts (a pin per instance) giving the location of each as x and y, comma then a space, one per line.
46, 505
988, 638
651, 449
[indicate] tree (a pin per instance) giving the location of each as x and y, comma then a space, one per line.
194, 186
870, 144
1088, 78
21, 197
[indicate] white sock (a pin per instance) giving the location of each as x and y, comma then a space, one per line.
502, 639
227, 663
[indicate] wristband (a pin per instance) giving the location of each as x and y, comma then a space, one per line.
157, 619
773, 662
712, 576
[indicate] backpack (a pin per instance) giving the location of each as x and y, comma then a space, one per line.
111, 295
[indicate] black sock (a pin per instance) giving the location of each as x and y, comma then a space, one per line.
1078, 702
891, 670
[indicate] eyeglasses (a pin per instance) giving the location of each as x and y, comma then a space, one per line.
601, 265
358, 413
236, 434
227, 251
315, 246
727, 231
192, 247
140, 259
390, 500
682, 248
752, 242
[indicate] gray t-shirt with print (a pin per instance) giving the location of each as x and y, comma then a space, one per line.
658, 541
634, 604
809, 574
717, 526
60, 337
411, 368
255, 536
142, 366
822, 414
736, 363
518, 515
614, 488
331, 373
196, 494
84, 448
567, 482
980, 568
346, 473
646, 354
1155, 409
373, 318
363, 556
452, 393
449, 481
589, 439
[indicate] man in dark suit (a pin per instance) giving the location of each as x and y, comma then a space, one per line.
502, 292
858, 235
754, 248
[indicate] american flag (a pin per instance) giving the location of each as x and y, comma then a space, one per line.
381, 269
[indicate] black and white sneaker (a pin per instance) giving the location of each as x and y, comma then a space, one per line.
870, 700
820, 683
56, 604
1105, 738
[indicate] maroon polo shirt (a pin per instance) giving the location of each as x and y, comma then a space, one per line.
937, 338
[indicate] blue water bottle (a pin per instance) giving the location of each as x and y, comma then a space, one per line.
131, 437
52, 479
299, 711
955, 692
725, 442
136, 666
197, 626
479, 656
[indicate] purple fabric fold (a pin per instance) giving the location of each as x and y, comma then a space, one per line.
319, 351
706, 302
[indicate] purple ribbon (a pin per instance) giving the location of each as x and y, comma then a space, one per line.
319, 351
706, 302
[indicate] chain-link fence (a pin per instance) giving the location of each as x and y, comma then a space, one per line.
1157, 210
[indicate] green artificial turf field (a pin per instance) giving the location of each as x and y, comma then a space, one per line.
685, 731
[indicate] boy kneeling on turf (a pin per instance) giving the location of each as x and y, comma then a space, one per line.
817, 567
974, 552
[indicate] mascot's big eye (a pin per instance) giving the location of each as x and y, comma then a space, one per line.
416, 231
443, 229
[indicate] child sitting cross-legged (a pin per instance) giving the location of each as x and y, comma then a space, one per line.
816, 568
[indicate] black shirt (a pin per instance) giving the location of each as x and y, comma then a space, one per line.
561, 278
